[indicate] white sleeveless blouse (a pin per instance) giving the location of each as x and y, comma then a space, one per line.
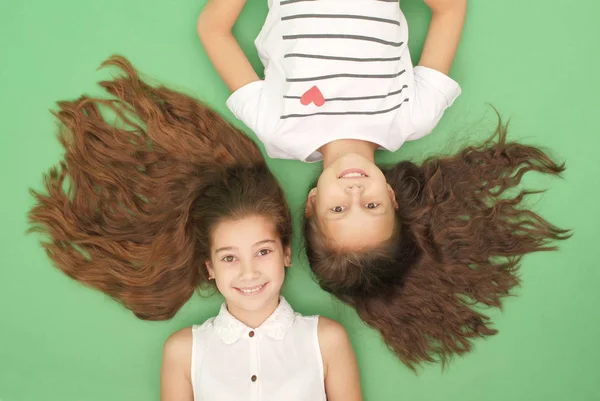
278, 361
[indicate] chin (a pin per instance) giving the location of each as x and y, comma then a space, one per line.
355, 157
253, 303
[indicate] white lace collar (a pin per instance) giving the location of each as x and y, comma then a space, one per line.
230, 329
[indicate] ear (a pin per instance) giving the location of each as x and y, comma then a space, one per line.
287, 255
211, 271
392, 196
310, 202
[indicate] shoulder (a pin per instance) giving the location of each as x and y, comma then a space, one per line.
331, 334
335, 345
178, 347
175, 370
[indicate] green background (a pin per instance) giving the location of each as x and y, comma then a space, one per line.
536, 61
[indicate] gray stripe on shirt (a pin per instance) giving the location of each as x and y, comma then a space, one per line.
285, 2
341, 16
375, 76
345, 99
342, 36
322, 57
344, 113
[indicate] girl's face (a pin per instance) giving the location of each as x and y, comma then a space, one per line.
247, 262
354, 203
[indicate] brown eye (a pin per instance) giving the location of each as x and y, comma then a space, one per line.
264, 252
372, 205
338, 209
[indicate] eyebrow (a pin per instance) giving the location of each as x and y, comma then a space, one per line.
231, 248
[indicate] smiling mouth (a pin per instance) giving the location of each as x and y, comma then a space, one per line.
353, 173
248, 291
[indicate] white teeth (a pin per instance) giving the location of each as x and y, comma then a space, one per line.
352, 175
251, 290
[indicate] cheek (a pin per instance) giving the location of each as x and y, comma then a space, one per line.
380, 189
326, 178
224, 277
328, 194
277, 270
384, 194
381, 181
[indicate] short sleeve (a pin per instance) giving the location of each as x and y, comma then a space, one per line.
434, 93
244, 103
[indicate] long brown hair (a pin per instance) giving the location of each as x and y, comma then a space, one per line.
130, 209
460, 233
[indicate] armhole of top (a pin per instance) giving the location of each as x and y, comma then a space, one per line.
194, 366
319, 352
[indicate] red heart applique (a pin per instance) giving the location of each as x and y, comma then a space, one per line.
313, 95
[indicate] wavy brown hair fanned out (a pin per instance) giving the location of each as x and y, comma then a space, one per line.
122, 210
461, 231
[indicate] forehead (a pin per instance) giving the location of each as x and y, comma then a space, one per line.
243, 232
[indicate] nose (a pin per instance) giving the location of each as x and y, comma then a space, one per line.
354, 189
248, 271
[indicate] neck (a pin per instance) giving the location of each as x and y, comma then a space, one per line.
254, 319
336, 149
